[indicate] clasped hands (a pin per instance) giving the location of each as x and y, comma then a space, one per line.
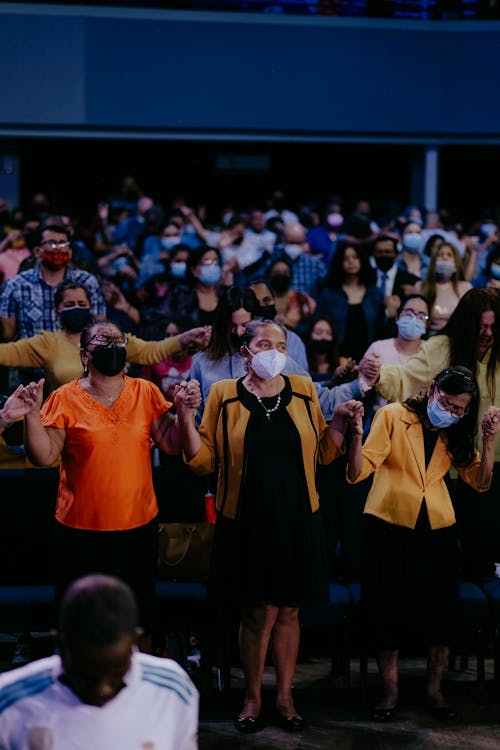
351, 413
187, 397
369, 367
490, 423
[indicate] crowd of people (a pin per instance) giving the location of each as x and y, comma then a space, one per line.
256, 350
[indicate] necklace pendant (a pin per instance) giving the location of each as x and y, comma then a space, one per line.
268, 416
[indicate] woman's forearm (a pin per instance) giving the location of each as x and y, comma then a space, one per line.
485, 470
39, 446
355, 458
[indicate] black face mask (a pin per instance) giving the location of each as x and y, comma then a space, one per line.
280, 282
109, 360
267, 311
74, 319
321, 346
384, 264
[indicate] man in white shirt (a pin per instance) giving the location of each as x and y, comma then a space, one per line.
100, 693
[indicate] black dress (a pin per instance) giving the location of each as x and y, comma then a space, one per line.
410, 582
274, 551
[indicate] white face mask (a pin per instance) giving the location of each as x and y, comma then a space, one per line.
293, 251
268, 364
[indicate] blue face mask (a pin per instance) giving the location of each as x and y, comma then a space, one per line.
178, 269
445, 268
210, 274
487, 229
168, 243
412, 242
410, 328
495, 270
440, 417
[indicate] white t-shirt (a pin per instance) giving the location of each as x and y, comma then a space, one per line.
156, 710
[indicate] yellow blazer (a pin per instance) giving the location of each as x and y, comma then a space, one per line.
394, 450
222, 432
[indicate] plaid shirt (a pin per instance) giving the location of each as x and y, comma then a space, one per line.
30, 300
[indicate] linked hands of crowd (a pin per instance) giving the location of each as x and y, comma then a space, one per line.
196, 338
490, 423
351, 413
24, 400
187, 398
369, 368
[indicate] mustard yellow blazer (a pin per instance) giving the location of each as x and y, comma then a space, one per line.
222, 432
394, 450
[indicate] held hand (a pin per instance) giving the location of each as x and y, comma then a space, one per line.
23, 400
350, 413
369, 367
187, 398
196, 338
490, 423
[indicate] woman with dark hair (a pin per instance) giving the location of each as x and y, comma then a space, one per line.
198, 297
237, 305
470, 338
410, 578
102, 426
322, 350
351, 299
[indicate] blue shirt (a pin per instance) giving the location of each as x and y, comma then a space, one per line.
30, 300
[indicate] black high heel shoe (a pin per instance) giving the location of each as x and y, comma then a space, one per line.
248, 724
383, 714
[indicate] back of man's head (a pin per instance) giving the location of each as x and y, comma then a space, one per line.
98, 609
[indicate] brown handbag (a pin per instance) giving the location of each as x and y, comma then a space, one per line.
184, 551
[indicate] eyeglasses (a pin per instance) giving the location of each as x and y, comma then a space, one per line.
408, 313
102, 340
52, 245
457, 411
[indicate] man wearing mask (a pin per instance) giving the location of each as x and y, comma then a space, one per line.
391, 279
27, 300
307, 270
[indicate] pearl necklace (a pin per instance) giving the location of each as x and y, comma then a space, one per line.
268, 411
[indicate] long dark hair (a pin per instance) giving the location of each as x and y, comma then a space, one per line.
333, 354
463, 329
336, 275
232, 299
460, 436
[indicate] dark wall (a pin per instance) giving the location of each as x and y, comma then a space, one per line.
196, 74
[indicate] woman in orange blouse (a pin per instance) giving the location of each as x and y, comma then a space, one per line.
102, 425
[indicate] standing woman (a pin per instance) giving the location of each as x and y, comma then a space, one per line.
471, 338
198, 298
410, 579
102, 425
263, 433
444, 284
351, 299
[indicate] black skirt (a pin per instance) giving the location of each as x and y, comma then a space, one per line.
274, 551
410, 585
131, 555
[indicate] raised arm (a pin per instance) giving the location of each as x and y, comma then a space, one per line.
43, 444
490, 426
169, 432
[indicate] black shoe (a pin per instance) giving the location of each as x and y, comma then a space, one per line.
248, 724
383, 714
291, 723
